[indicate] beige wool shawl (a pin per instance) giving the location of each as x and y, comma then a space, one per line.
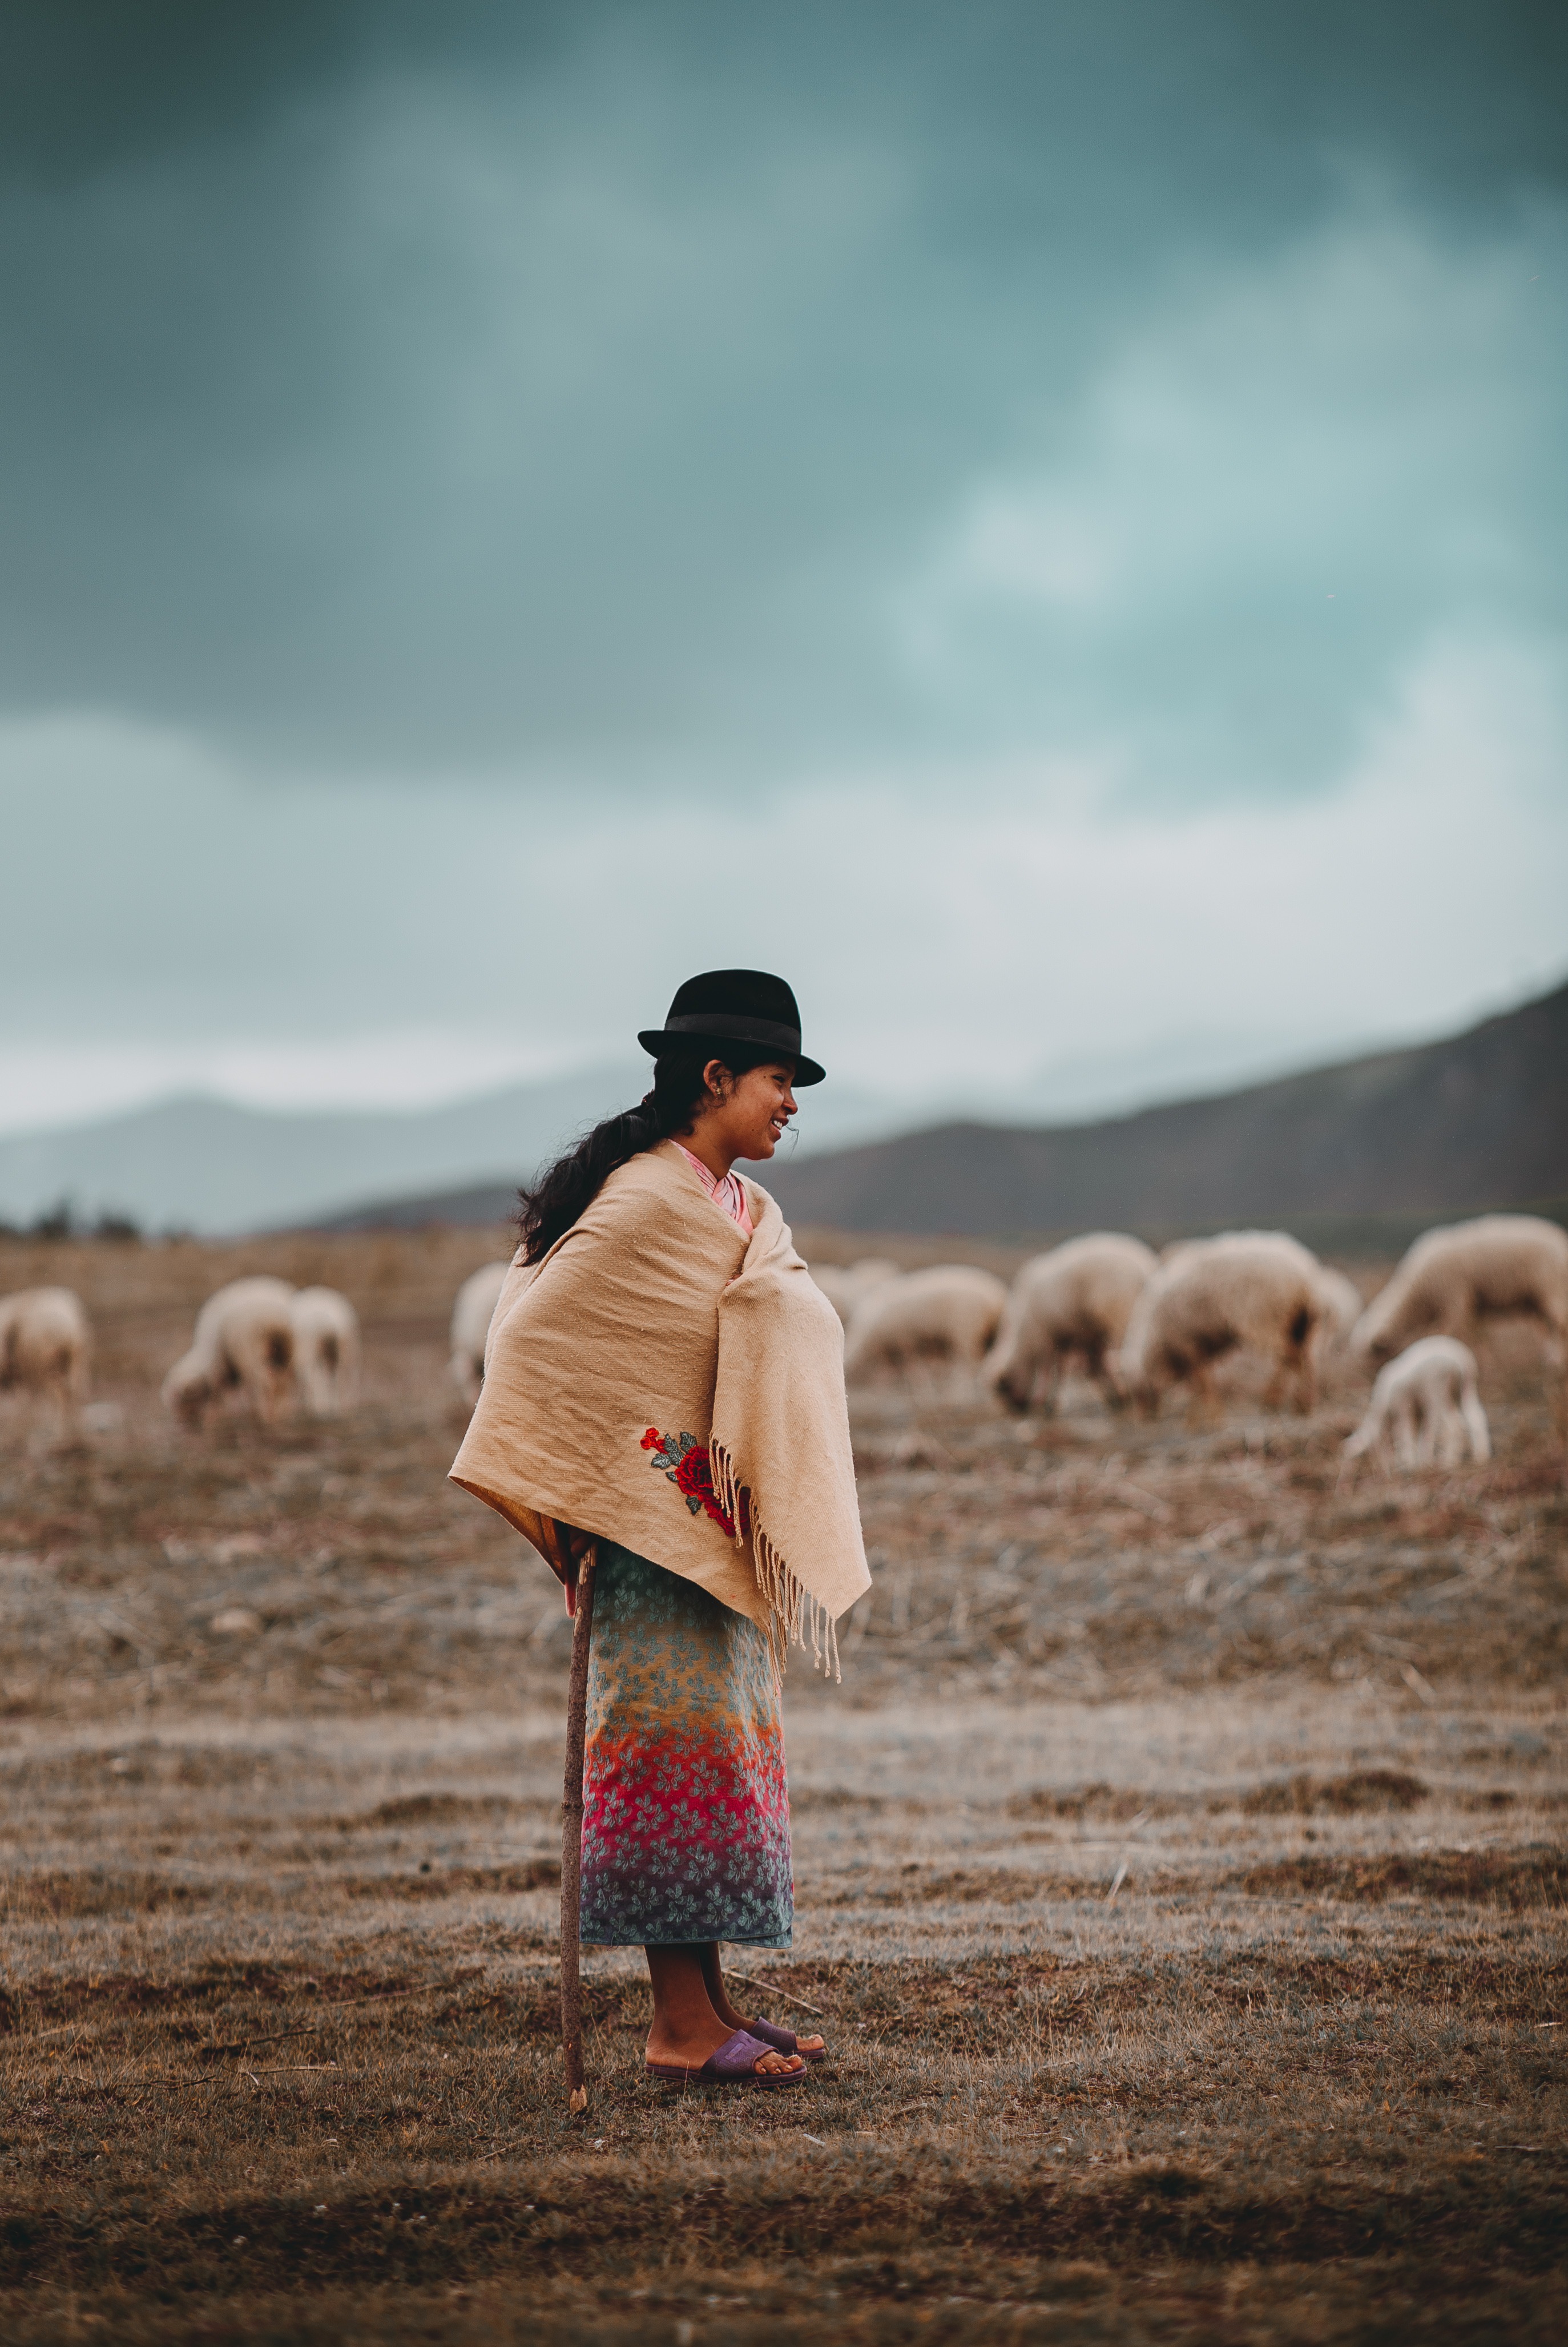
664, 1383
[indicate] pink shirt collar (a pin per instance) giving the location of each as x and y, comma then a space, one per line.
728, 1194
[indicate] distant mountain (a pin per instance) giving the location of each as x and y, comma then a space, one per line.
1479, 1120
1452, 1127
208, 1165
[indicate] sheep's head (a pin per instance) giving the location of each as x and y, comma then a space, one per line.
1139, 1378
1393, 1319
188, 1389
1002, 1373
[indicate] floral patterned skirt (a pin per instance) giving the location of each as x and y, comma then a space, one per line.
685, 1831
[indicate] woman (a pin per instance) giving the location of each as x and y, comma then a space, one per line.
657, 1316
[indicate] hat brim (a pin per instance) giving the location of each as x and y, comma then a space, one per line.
658, 1041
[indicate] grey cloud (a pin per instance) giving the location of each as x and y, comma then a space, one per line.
583, 392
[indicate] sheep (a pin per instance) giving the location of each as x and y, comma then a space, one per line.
1463, 1273
327, 1350
1426, 1408
46, 1348
948, 1313
471, 1314
1076, 1299
244, 1339
844, 1288
1342, 1308
1256, 1290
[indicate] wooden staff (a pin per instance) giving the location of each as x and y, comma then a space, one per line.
572, 1838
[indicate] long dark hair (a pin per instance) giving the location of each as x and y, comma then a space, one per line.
563, 1194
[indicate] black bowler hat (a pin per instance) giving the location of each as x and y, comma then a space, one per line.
735, 1006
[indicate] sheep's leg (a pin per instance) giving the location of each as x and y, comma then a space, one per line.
1402, 1430
1357, 1446
1203, 1407
1475, 1423
264, 1390
1371, 1435
1106, 1388
1451, 1435
1284, 1373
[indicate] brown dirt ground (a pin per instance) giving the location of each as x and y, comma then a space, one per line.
1180, 1872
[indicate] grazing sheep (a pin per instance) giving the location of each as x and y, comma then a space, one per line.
1459, 1275
1425, 1406
1256, 1291
327, 1350
471, 1313
1342, 1309
244, 1341
843, 1288
950, 1313
1342, 1306
1076, 1299
46, 1348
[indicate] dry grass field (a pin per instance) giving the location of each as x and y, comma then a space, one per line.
1181, 1869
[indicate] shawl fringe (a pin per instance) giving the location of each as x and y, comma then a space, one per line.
654, 1322
792, 1608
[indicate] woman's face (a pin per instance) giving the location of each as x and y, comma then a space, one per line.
750, 1116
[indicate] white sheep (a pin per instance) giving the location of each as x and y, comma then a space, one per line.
327, 1350
950, 1313
244, 1342
471, 1314
844, 1286
1461, 1275
1425, 1407
1342, 1308
1076, 1299
46, 1348
1254, 1291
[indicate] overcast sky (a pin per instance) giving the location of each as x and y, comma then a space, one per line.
1045, 523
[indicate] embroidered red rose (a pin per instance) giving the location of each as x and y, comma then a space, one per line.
686, 1462
695, 1473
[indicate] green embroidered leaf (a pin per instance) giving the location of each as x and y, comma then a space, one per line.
694, 1503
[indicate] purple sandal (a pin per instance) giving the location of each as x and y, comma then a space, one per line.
733, 2063
785, 2041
